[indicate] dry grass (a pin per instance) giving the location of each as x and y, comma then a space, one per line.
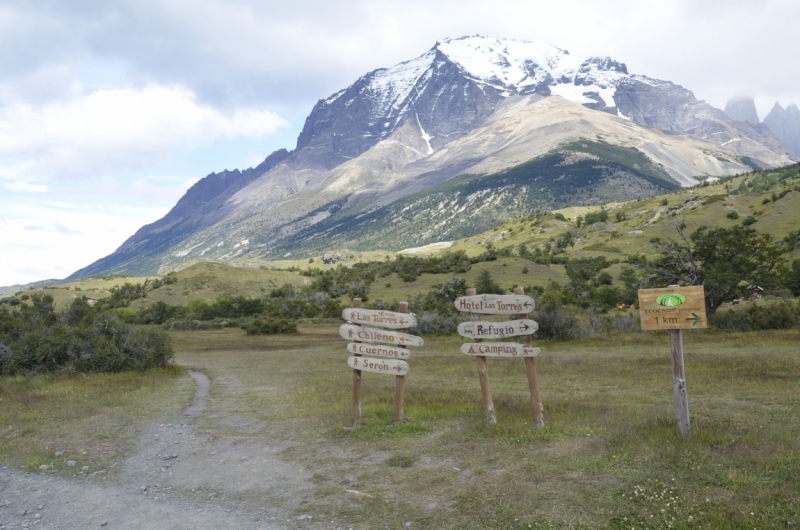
95, 419
609, 456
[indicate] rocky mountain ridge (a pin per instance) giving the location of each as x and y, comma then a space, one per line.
785, 124
402, 130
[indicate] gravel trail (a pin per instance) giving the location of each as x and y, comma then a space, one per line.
178, 478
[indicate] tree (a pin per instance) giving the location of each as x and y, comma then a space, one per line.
793, 278
723, 260
486, 284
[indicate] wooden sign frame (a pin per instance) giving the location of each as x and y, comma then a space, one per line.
530, 365
674, 309
396, 354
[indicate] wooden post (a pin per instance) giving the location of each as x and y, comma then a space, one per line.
357, 383
483, 374
533, 379
679, 382
400, 381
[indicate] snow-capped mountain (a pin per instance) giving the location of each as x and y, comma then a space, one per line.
457, 108
454, 86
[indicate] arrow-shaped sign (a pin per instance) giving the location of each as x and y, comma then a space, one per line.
481, 329
365, 334
380, 318
496, 304
694, 319
378, 366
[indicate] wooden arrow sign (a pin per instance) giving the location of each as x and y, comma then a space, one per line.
361, 333
378, 350
378, 366
496, 304
481, 329
384, 319
499, 349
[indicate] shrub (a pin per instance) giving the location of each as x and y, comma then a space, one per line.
556, 322
732, 215
271, 326
434, 323
34, 339
752, 317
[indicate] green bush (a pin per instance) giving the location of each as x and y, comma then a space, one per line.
271, 326
34, 339
752, 317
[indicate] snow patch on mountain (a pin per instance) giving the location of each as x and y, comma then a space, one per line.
390, 88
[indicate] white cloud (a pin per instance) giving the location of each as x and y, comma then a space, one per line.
111, 132
53, 240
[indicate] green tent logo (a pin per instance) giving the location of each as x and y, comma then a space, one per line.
670, 299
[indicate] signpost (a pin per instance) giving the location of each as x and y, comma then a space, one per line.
497, 330
350, 332
675, 308
496, 304
516, 304
499, 349
378, 350
378, 366
394, 365
384, 319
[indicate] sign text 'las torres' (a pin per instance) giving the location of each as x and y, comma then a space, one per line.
378, 366
496, 304
384, 319
481, 329
361, 333
499, 349
378, 350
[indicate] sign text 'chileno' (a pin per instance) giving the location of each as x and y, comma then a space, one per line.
361, 333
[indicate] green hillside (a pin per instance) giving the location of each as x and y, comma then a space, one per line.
768, 201
585, 173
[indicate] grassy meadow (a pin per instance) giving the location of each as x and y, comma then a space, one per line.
608, 457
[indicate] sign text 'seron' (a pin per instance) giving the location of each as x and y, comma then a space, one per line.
378, 366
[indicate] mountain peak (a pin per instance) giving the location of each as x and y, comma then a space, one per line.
742, 109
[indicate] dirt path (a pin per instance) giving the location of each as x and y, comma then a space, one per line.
201, 394
178, 478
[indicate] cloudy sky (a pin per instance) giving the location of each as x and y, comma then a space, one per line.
111, 109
